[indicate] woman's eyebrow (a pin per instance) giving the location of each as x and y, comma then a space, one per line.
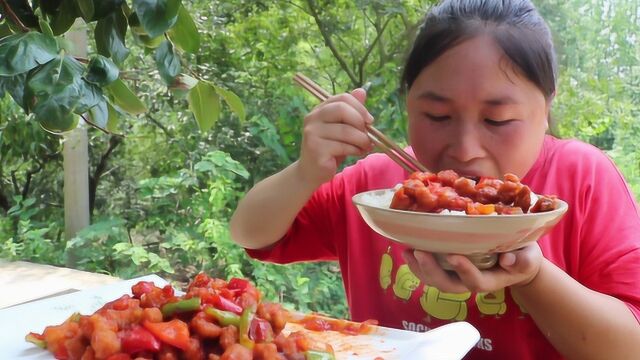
430, 95
503, 100
498, 101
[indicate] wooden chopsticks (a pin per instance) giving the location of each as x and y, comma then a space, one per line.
395, 152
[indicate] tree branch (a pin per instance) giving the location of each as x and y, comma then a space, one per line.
29, 175
329, 42
363, 61
159, 124
298, 6
4, 202
12, 15
94, 180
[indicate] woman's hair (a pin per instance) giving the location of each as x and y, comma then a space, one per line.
515, 25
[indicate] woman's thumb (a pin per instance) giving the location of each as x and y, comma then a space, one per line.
360, 94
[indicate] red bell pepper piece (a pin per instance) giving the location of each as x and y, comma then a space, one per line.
225, 304
238, 284
138, 339
121, 303
260, 330
142, 287
174, 332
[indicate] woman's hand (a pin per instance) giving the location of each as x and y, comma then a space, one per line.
333, 130
515, 268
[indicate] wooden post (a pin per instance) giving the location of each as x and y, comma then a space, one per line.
76, 161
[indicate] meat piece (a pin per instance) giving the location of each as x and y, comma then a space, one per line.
523, 199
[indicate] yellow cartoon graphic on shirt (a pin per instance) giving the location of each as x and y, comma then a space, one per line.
405, 282
491, 303
444, 306
386, 266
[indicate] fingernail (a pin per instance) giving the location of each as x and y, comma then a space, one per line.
508, 259
370, 119
452, 260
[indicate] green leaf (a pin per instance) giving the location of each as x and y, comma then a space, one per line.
101, 71
204, 103
112, 119
184, 33
5, 29
65, 44
110, 33
221, 160
156, 16
64, 18
104, 8
233, 101
15, 85
23, 52
124, 98
52, 77
86, 9
168, 62
54, 118
89, 96
183, 82
45, 28
100, 114
59, 91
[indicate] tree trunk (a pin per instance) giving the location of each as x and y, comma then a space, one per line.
76, 161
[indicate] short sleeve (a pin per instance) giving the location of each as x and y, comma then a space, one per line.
315, 231
609, 232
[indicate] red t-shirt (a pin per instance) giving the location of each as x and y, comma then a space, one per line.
597, 243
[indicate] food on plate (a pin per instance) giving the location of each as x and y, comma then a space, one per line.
214, 319
447, 191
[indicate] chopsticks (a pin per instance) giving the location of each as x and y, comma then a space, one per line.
395, 152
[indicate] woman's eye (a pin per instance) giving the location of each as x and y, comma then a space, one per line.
437, 118
497, 122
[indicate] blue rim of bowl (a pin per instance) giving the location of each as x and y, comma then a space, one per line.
562, 208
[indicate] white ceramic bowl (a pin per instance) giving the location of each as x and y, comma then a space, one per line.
477, 236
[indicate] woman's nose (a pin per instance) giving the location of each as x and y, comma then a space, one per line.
466, 145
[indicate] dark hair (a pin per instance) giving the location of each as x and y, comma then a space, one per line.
515, 25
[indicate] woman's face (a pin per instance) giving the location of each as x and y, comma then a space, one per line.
471, 111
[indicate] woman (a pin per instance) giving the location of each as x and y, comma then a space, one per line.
479, 84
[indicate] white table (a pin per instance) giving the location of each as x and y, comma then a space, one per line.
23, 281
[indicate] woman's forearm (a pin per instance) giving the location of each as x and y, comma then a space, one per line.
579, 322
267, 211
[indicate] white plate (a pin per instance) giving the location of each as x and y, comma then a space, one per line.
449, 342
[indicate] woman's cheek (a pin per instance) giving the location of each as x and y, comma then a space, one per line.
427, 140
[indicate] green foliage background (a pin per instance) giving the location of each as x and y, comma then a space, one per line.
163, 202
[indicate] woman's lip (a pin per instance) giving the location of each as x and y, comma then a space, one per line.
469, 174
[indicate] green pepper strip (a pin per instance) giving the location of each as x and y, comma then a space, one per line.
75, 317
224, 318
318, 355
36, 339
245, 323
187, 305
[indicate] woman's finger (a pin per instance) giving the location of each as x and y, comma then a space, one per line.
346, 134
355, 104
427, 269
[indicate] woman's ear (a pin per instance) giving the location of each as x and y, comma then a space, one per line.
547, 109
